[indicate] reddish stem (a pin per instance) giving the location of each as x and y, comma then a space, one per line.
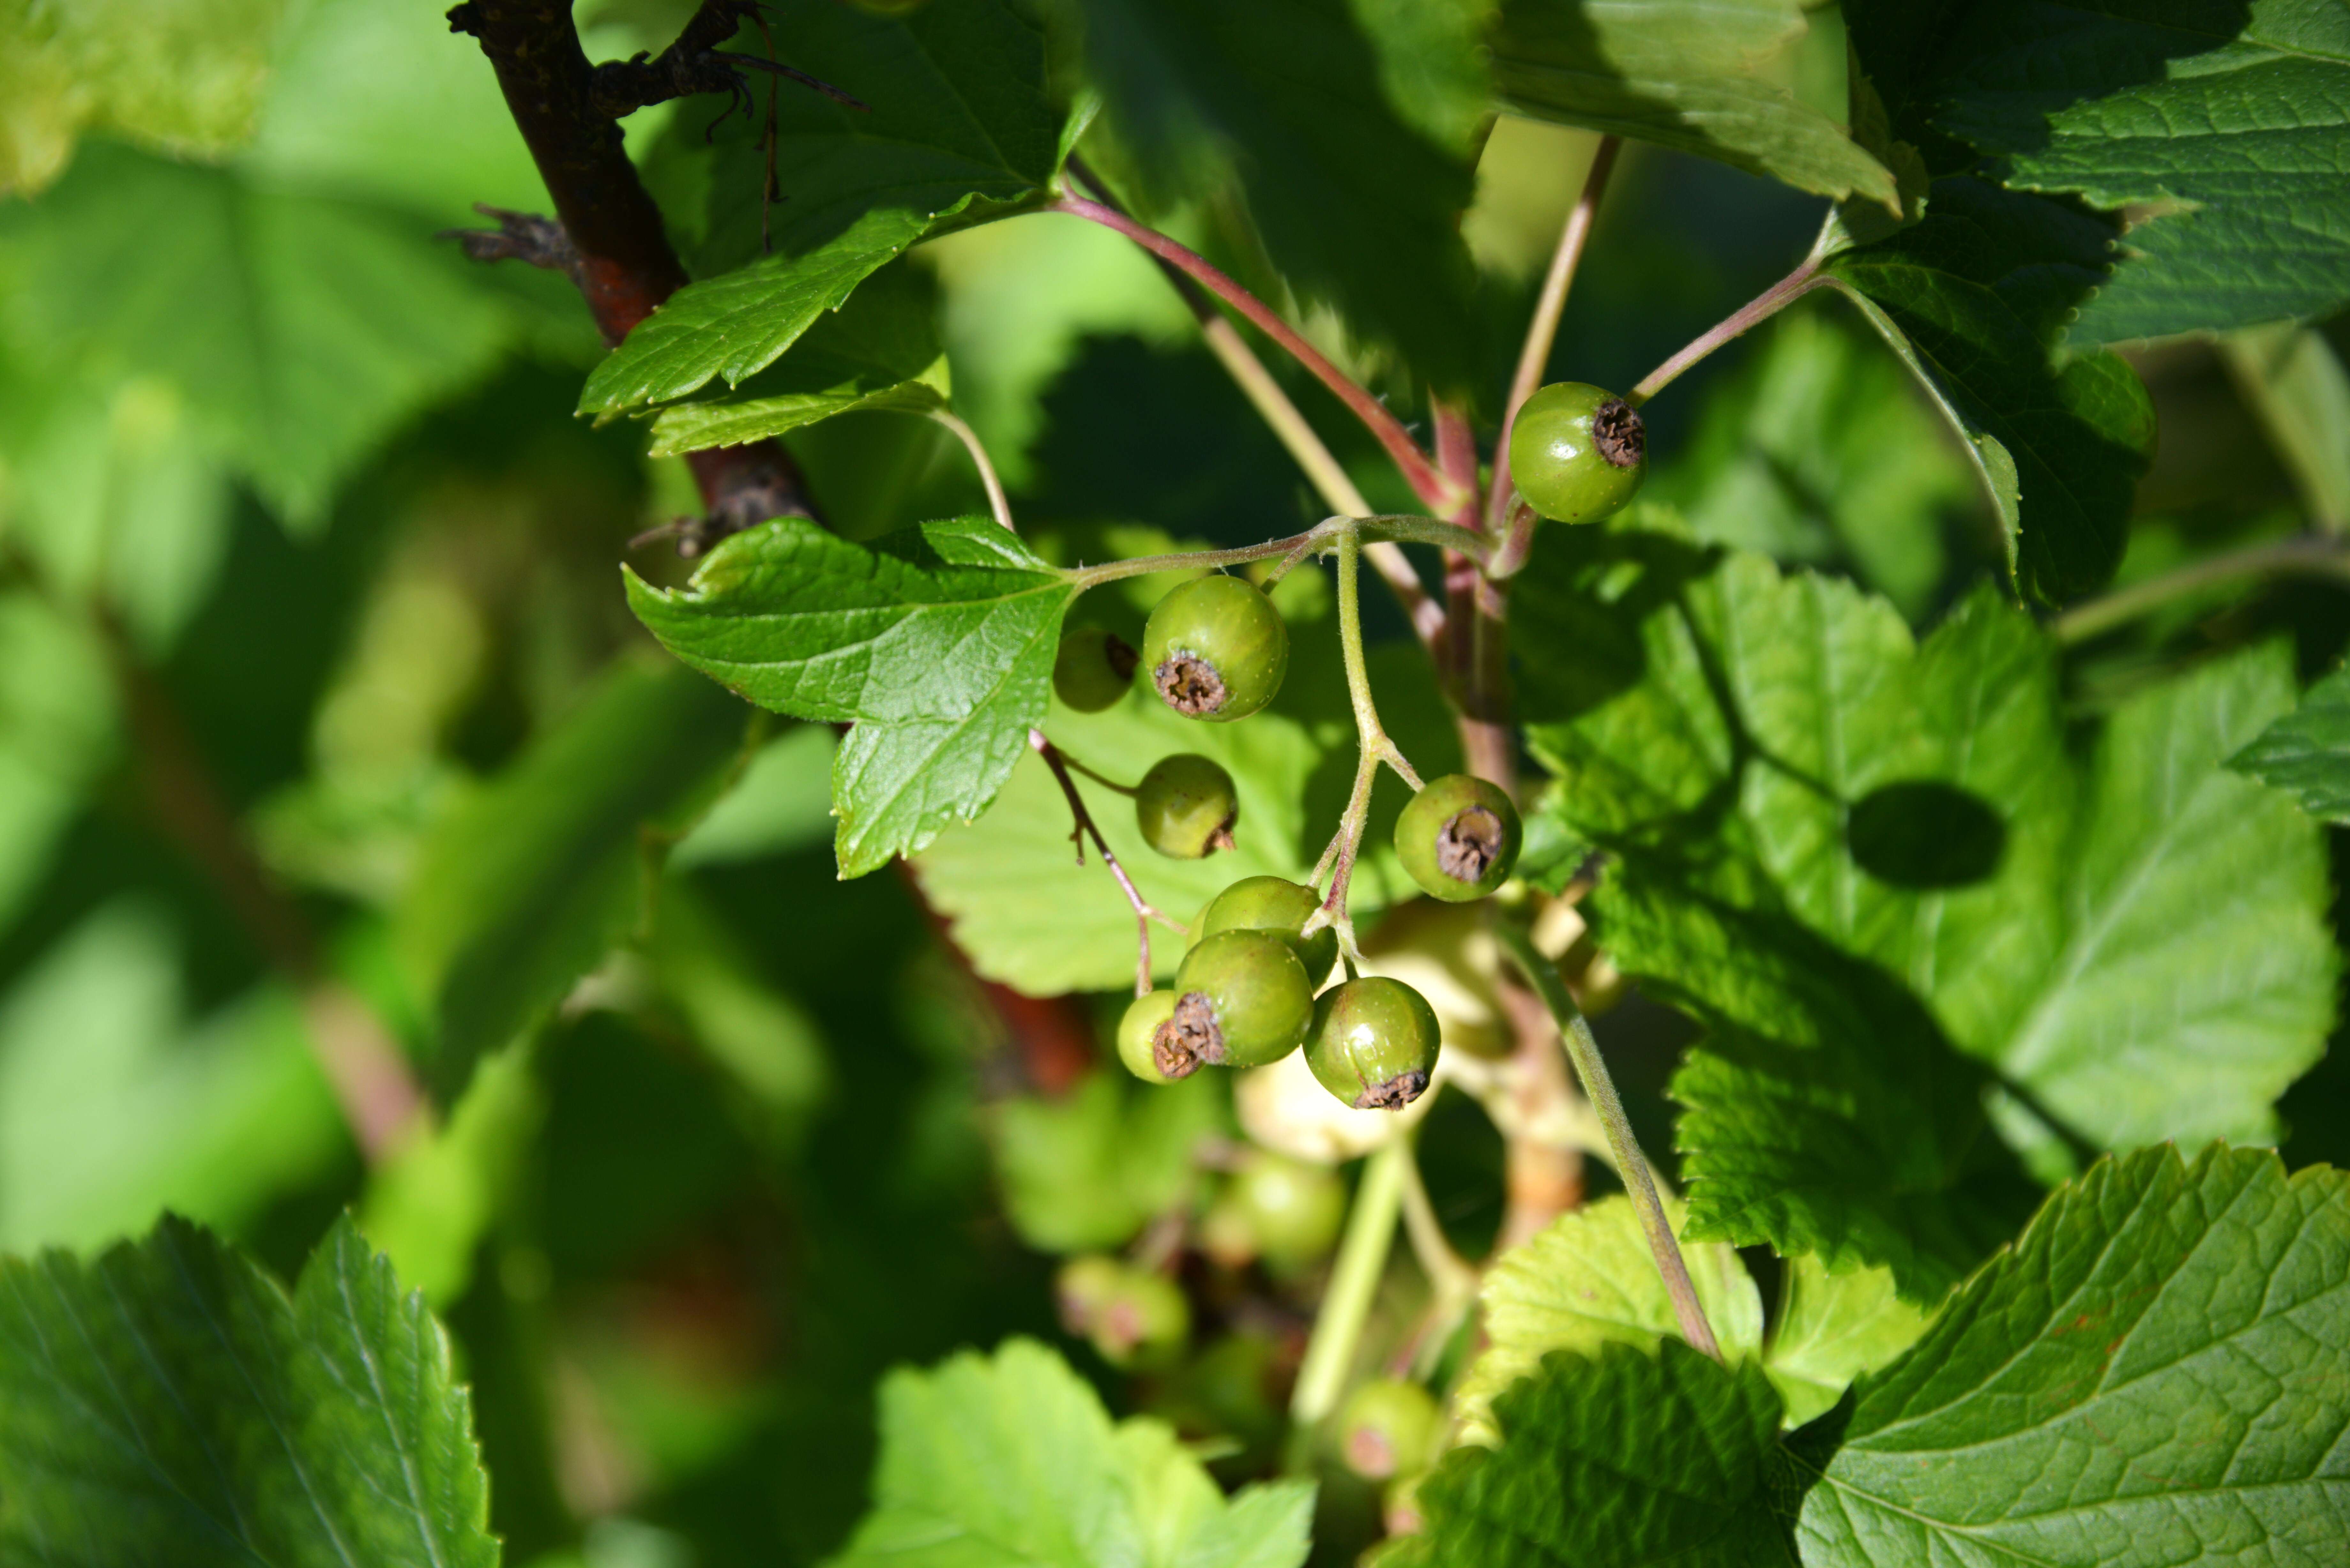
1143, 913
1753, 312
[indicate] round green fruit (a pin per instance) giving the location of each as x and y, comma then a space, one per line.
1138, 1039
1137, 1319
1186, 807
1093, 667
1389, 1427
1577, 452
1458, 837
1216, 648
1293, 1210
1373, 1044
1242, 1000
1276, 905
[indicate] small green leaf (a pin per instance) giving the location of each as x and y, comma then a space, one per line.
1972, 298
1587, 1281
520, 890
1684, 74
2306, 754
937, 641
1619, 1459
1087, 1171
169, 1402
1834, 1328
2152, 1376
1009, 1460
757, 414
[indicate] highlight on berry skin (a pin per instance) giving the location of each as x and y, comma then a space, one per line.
1577, 453
1216, 649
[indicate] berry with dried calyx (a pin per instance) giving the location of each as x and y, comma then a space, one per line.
1093, 667
1241, 999
1458, 837
1389, 1427
1186, 807
1373, 1044
1216, 648
1137, 1319
1138, 1034
1577, 452
1276, 905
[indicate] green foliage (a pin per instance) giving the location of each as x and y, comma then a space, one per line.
57, 732
1349, 125
1087, 1171
2179, 1324
519, 890
168, 1401
960, 126
1692, 75
429, 1206
936, 642
2306, 754
1833, 1328
1974, 297
1877, 874
1012, 1461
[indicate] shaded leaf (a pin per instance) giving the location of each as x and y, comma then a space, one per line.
1834, 1327
169, 1402
2306, 754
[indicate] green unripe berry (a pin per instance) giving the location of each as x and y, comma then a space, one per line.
1138, 1039
1389, 1427
1577, 452
1093, 669
1216, 648
1293, 1210
1186, 807
1242, 1000
1136, 1319
1276, 905
1373, 1044
1458, 837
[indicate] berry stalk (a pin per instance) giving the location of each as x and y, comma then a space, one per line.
1143, 912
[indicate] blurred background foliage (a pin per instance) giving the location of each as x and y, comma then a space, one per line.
305, 558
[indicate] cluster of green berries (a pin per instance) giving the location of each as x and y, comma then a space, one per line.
1137, 1319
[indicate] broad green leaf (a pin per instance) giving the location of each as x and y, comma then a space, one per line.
1974, 298
1587, 1281
169, 1402
299, 330
1087, 1171
938, 642
961, 123
115, 1106
183, 77
2306, 754
1833, 1328
1348, 123
1875, 872
2294, 382
432, 1202
1684, 74
2227, 125
1625, 1457
782, 803
519, 891
2153, 1375
1010, 1461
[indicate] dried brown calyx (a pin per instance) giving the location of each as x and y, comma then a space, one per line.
1617, 432
1394, 1095
1189, 683
1122, 656
1467, 843
1190, 1036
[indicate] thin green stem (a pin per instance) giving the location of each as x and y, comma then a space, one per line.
1582, 1050
1753, 314
2312, 555
1453, 1280
1322, 536
997, 502
1346, 1302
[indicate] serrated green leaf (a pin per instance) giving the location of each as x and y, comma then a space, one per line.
2153, 1375
2230, 124
937, 641
1347, 123
298, 330
2306, 754
1619, 1459
1684, 74
169, 1402
691, 427
1087, 1171
1974, 298
1010, 1460
521, 889
1868, 871
1587, 1281
1833, 1328
960, 115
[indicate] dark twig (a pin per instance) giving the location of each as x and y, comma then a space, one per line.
524, 237
1143, 913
